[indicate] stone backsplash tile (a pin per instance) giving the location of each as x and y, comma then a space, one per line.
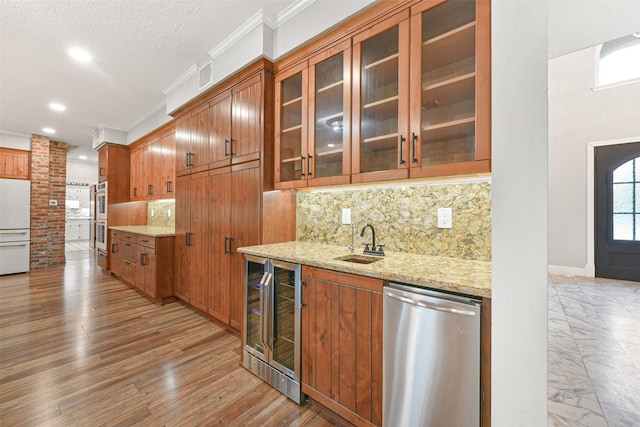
405, 218
164, 213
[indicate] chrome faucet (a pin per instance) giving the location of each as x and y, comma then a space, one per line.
375, 249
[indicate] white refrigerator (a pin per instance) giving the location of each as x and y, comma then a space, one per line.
15, 219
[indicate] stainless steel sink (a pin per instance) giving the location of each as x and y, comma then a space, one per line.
358, 259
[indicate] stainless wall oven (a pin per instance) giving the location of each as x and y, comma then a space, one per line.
271, 327
102, 195
101, 235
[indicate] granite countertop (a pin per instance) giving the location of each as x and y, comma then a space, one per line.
146, 230
450, 274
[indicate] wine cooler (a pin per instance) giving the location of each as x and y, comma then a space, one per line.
271, 327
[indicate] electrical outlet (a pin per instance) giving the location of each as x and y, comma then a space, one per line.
346, 216
53, 203
169, 213
445, 219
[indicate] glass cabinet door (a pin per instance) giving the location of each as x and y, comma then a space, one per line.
448, 83
254, 290
286, 324
330, 104
382, 99
291, 153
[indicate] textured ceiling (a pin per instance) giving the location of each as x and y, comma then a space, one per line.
139, 47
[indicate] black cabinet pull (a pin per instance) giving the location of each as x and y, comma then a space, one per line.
143, 259
402, 140
187, 237
187, 160
135, 191
150, 189
226, 145
309, 164
113, 248
169, 186
301, 166
230, 245
414, 159
226, 251
231, 153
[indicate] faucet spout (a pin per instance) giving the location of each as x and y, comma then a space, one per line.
375, 249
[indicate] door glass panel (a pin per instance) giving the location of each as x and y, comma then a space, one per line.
329, 116
379, 104
291, 128
448, 83
284, 282
255, 271
626, 203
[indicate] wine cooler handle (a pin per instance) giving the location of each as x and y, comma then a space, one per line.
266, 301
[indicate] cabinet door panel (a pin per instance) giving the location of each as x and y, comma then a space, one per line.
183, 144
183, 226
219, 305
200, 155
198, 268
150, 268
220, 130
247, 121
245, 228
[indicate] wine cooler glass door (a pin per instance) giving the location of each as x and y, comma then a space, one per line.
256, 275
285, 334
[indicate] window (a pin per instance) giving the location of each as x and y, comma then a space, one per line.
619, 60
626, 201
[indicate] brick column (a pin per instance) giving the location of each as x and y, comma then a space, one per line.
48, 182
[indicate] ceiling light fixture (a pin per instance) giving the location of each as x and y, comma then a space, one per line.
48, 130
79, 55
82, 157
57, 107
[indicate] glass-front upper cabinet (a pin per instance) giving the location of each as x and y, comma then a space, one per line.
313, 116
450, 103
329, 152
380, 100
291, 128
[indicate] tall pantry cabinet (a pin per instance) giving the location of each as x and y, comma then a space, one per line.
224, 168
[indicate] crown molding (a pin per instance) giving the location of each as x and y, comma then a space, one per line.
150, 113
251, 24
190, 72
293, 10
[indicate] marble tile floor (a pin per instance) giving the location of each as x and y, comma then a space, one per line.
593, 352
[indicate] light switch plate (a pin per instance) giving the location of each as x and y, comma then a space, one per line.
169, 213
445, 219
346, 216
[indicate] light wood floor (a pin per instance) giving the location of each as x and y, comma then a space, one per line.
79, 348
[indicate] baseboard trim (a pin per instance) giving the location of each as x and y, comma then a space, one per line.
567, 271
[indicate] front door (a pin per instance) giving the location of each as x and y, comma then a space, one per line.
617, 206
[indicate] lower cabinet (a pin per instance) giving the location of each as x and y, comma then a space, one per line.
342, 343
147, 263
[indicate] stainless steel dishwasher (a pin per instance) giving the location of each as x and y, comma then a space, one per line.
431, 360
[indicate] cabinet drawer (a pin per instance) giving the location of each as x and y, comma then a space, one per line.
129, 237
129, 251
147, 241
115, 234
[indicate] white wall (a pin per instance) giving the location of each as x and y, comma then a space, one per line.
519, 213
82, 172
18, 142
578, 115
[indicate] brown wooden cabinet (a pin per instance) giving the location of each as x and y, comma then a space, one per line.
14, 164
420, 101
225, 205
342, 343
145, 262
153, 165
313, 116
113, 166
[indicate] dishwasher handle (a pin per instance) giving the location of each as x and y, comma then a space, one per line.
447, 308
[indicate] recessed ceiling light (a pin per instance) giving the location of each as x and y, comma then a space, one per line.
82, 157
57, 107
48, 130
79, 55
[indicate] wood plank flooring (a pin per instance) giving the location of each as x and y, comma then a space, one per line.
79, 348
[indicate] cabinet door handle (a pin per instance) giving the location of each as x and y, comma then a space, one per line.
414, 159
226, 145
169, 186
226, 251
402, 140
187, 239
143, 259
230, 245
309, 164
150, 189
301, 166
231, 153
113, 248
135, 191
102, 172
